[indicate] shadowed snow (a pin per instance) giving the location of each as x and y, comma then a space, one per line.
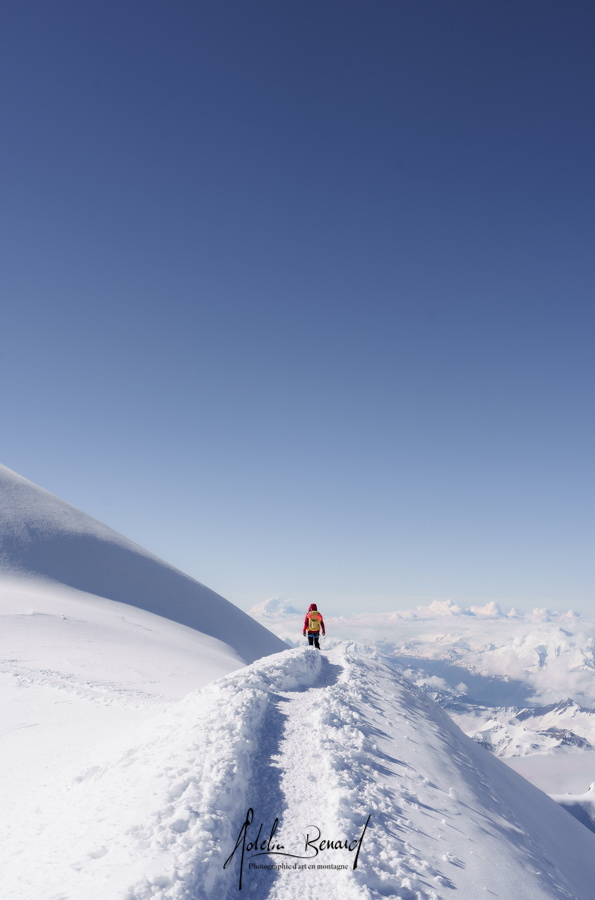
43, 537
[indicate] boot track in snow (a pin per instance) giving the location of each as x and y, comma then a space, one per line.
340, 761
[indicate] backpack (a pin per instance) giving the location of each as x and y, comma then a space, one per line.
314, 621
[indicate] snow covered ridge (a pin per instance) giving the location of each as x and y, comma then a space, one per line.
521, 686
508, 733
44, 538
320, 744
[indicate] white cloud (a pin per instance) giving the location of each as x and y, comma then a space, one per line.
440, 608
490, 611
274, 607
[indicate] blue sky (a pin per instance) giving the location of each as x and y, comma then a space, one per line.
299, 296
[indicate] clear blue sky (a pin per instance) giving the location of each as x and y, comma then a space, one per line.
300, 295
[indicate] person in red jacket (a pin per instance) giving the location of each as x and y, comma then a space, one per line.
313, 624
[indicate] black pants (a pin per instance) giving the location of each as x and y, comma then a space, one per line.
313, 640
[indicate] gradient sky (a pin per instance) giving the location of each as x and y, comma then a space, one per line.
299, 295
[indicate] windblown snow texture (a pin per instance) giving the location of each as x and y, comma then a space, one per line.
42, 536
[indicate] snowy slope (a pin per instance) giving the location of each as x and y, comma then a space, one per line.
44, 538
324, 743
97, 637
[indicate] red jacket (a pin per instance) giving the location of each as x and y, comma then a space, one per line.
313, 608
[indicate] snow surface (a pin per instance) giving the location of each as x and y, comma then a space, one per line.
320, 742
